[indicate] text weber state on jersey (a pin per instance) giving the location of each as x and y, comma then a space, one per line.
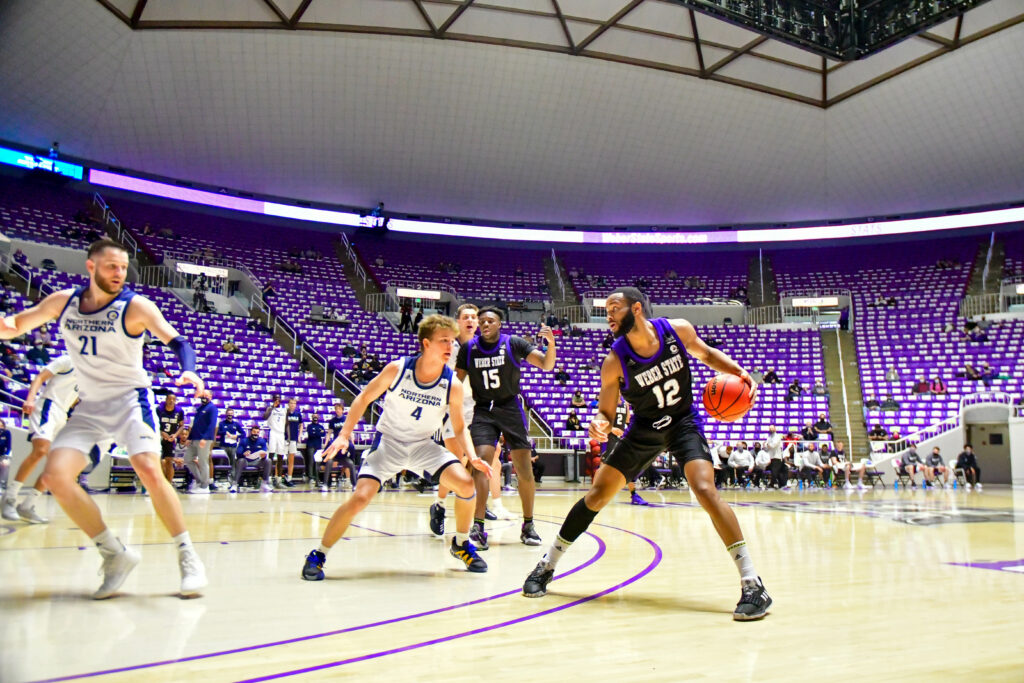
666, 368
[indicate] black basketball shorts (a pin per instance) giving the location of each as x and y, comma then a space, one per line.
642, 443
166, 449
493, 419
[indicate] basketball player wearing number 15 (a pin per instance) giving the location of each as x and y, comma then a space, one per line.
103, 325
647, 364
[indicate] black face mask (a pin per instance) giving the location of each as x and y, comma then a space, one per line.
628, 321
204, 401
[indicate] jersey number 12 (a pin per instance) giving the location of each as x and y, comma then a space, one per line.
669, 396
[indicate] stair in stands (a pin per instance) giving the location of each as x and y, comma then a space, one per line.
762, 289
840, 354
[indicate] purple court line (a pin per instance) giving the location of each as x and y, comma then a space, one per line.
600, 552
484, 629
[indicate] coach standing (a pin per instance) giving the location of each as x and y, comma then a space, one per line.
200, 442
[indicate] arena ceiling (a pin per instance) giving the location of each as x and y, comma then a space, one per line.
547, 111
653, 34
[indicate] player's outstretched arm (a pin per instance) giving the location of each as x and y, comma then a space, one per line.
711, 357
48, 309
608, 399
370, 393
459, 427
43, 377
144, 316
546, 360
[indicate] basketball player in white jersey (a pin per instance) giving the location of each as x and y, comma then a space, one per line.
45, 420
466, 318
420, 391
275, 417
103, 326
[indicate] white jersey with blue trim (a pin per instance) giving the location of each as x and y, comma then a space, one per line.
107, 360
412, 411
62, 388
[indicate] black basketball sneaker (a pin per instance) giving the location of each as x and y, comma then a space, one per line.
466, 553
754, 602
537, 582
528, 535
478, 536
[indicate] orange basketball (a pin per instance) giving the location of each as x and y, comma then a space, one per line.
726, 398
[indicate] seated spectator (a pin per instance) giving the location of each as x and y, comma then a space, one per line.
720, 462
921, 386
577, 399
823, 426
933, 467
891, 375
819, 388
759, 472
561, 376
988, 373
519, 271
230, 346
985, 323
877, 433
977, 336
670, 274
967, 461
252, 451
607, 342
937, 386
268, 290
575, 332
872, 403
740, 462
808, 433
572, 423
41, 335
890, 403
971, 373
812, 467
770, 377
38, 355
379, 261
794, 390
910, 464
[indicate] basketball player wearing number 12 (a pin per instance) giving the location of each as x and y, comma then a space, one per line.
647, 364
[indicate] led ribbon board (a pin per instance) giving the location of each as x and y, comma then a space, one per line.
430, 294
751, 236
815, 302
34, 161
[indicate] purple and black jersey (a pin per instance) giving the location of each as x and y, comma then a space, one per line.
659, 385
494, 370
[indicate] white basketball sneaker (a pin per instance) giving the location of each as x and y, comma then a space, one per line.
9, 510
501, 511
193, 573
27, 511
115, 569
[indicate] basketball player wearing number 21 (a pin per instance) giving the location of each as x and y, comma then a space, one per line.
103, 325
647, 364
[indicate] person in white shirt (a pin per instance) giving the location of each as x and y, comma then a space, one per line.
274, 419
776, 463
761, 462
812, 467
740, 462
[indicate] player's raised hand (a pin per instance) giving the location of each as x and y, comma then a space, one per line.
750, 383
339, 444
547, 335
599, 429
479, 463
189, 377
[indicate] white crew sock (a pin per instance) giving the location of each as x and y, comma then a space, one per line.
324, 549
461, 538
555, 552
108, 543
440, 501
30, 495
741, 556
182, 541
12, 490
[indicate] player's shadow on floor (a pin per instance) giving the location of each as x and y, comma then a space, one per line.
378, 575
659, 603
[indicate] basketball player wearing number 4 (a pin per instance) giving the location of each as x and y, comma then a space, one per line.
647, 364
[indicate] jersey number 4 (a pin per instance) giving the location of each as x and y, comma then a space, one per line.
86, 345
667, 394
492, 380
418, 413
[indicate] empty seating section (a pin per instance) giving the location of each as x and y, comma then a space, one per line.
41, 213
1013, 243
909, 334
480, 272
718, 273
